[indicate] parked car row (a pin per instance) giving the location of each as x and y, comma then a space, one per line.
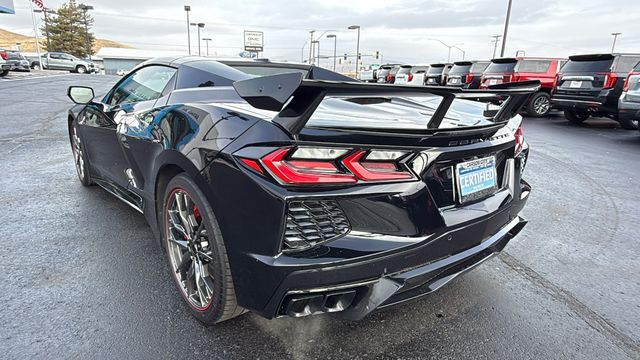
605, 85
15, 61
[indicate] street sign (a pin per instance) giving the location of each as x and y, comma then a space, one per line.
254, 41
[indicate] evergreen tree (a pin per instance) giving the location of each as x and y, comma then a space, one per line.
67, 31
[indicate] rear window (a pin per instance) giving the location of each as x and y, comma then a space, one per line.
460, 69
533, 66
479, 67
394, 71
419, 69
500, 67
625, 63
588, 66
435, 69
404, 70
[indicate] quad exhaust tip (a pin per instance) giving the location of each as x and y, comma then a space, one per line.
312, 304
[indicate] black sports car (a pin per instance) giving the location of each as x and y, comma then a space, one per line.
300, 192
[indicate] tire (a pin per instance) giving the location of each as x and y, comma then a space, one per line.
214, 300
4, 73
35, 66
539, 105
80, 157
629, 124
80, 69
575, 117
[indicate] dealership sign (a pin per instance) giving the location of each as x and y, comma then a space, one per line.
254, 41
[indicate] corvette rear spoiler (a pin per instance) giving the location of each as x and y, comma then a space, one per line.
296, 98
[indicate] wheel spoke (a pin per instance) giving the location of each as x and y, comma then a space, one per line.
184, 265
176, 224
181, 243
181, 203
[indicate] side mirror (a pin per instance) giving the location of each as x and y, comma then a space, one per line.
80, 94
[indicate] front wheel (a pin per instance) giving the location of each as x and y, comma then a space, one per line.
575, 117
35, 66
80, 158
81, 69
539, 105
196, 253
629, 124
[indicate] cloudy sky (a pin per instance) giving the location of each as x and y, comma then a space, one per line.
400, 30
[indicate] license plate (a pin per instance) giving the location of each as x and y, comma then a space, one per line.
493, 81
454, 81
431, 81
476, 178
575, 84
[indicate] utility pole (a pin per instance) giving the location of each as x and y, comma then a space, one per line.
615, 37
506, 28
84, 9
187, 8
496, 39
206, 40
311, 47
35, 30
46, 11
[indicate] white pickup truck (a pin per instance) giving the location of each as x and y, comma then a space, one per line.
369, 75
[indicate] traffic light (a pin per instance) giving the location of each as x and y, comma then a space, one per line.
340, 61
359, 56
345, 57
377, 54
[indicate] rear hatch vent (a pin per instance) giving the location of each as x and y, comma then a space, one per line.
312, 222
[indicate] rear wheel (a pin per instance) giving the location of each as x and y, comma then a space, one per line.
196, 253
575, 117
629, 124
80, 69
539, 105
4, 73
35, 66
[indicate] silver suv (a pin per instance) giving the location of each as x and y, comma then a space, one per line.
629, 102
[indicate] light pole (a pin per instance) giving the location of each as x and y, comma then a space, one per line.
46, 11
335, 42
316, 54
463, 52
84, 9
354, 27
302, 51
615, 37
200, 26
506, 28
449, 47
311, 47
187, 8
496, 39
206, 40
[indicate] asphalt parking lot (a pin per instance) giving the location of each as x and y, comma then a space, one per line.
83, 276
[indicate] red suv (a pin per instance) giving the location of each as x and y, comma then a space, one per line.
506, 70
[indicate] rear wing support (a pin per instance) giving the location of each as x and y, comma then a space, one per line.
296, 99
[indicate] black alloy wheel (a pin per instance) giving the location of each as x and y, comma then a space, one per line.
79, 157
196, 253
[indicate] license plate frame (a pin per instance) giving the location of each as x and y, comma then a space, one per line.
466, 190
493, 81
575, 84
454, 80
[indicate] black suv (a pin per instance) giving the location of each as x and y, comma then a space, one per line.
590, 85
437, 74
466, 74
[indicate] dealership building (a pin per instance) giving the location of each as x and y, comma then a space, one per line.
119, 60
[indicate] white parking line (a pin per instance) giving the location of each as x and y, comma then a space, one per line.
2, 80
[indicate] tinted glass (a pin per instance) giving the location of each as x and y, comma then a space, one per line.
588, 66
206, 74
268, 70
55, 56
404, 70
533, 66
479, 67
626, 63
460, 69
142, 85
500, 67
419, 69
435, 70
13, 56
394, 71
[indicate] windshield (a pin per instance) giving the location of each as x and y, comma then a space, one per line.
503, 68
588, 66
460, 69
434, 70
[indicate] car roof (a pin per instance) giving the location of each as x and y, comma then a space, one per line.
594, 57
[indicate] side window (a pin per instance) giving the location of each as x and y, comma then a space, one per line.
54, 56
625, 63
143, 85
94, 118
533, 66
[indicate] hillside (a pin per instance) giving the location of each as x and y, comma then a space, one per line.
28, 43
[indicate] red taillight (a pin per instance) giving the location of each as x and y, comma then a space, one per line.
304, 172
468, 79
3, 55
310, 165
373, 170
609, 80
507, 78
410, 77
519, 140
626, 81
389, 78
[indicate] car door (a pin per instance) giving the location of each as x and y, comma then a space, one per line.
54, 61
67, 62
99, 122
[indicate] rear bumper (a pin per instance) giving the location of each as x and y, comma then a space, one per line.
5, 67
628, 110
603, 103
